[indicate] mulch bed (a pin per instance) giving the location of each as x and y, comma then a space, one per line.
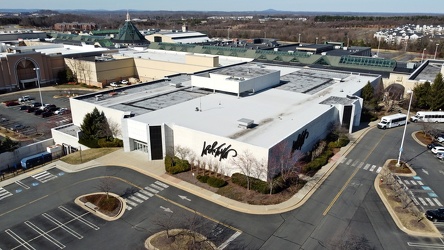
109, 206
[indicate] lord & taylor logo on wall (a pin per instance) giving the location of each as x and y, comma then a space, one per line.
220, 151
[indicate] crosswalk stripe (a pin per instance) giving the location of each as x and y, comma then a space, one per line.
152, 190
422, 201
44, 173
366, 166
360, 164
131, 203
44, 176
413, 182
437, 202
4, 193
343, 159
430, 201
141, 196
135, 199
348, 162
156, 187
146, 193
161, 184
406, 182
372, 168
378, 170
355, 163
420, 183
128, 208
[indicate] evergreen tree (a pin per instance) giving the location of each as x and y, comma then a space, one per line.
94, 127
437, 93
422, 93
8, 145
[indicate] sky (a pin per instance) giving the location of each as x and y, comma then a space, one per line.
387, 6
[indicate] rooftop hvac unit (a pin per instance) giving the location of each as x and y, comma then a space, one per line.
245, 123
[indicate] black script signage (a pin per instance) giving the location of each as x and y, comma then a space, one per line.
220, 151
297, 145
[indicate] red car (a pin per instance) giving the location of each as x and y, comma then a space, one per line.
11, 103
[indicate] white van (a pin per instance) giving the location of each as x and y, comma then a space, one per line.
391, 121
428, 116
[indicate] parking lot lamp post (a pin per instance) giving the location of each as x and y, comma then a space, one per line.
405, 127
422, 57
37, 70
436, 50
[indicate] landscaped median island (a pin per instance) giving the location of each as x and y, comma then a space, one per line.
108, 206
399, 203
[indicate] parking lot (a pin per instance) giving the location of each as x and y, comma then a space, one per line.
29, 124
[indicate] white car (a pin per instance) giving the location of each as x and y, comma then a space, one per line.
114, 84
440, 138
60, 111
124, 82
436, 150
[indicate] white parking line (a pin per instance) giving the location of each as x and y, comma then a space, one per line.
161, 184
420, 183
18, 239
406, 182
413, 182
141, 196
227, 242
44, 234
366, 166
79, 218
62, 226
23, 185
437, 202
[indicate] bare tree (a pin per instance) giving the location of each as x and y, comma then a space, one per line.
181, 151
246, 163
106, 184
166, 222
114, 128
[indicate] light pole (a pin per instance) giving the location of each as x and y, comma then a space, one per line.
379, 44
37, 70
316, 40
405, 127
436, 50
422, 57
299, 40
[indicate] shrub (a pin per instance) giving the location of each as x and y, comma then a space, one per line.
203, 178
255, 184
89, 142
216, 182
174, 165
104, 143
318, 162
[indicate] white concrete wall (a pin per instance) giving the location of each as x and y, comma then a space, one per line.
195, 140
12, 158
60, 138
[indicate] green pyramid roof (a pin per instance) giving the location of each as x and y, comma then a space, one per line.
129, 34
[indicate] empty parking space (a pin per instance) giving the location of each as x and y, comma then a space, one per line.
54, 229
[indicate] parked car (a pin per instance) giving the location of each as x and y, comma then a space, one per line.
440, 156
46, 114
440, 138
30, 110
434, 144
17, 127
36, 104
11, 103
60, 111
124, 82
38, 112
435, 214
24, 107
436, 150
4, 119
114, 84
25, 98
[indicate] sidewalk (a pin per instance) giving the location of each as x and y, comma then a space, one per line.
137, 161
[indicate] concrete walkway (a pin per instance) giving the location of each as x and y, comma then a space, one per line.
137, 161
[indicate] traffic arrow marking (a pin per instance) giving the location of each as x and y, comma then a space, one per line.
183, 197
165, 209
